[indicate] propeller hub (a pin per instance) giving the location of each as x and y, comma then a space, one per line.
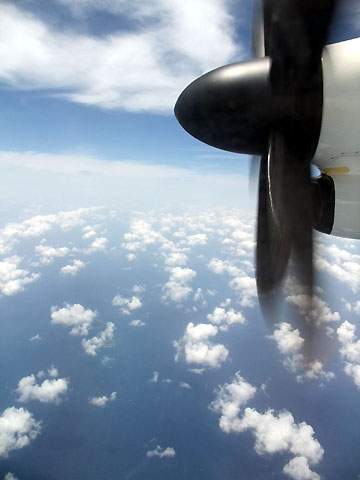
230, 108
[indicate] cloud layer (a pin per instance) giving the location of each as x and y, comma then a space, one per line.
144, 69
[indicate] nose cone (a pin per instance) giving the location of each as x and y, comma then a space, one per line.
229, 108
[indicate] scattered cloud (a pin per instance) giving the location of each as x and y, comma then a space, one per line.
224, 318
274, 433
102, 401
241, 282
160, 452
350, 350
138, 289
105, 339
126, 305
35, 338
176, 288
47, 254
184, 385
155, 377
197, 347
72, 269
12, 278
49, 391
10, 476
17, 429
143, 69
291, 344
75, 316
98, 245
137, 323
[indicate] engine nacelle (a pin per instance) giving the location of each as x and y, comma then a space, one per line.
338, 151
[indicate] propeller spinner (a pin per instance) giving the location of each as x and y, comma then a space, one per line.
272, 107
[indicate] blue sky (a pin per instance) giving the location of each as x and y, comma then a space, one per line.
132, 344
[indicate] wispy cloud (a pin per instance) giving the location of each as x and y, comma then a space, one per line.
143, 69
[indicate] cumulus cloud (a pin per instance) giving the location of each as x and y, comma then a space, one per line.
72, 269
10, 476
143, 69
184, 385
75, 316
17, 429
49, 391
273, 433
160, 452
197, 347
98, 245
224, 318
35, 338
241, 282
230, 398
12, 278
105, 339
137, 323
102, 401
138, 288
38, 225
194, 240
177, 287
155, 377
47, 254
350, 350
340, 263
291, 344
126, 305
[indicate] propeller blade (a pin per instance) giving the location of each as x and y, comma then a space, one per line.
273, 234
258, 43
254, 171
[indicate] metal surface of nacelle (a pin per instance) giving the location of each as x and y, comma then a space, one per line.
338, 151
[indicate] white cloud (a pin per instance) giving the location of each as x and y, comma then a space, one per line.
105, 339
12, 278
17, 429
98, 245
184, 385
138, 289
224, 318
339, 263
274, 433
279, 433
230, 398
47, 254
131, 257
241, 283
197, 347
160, 452
126, 305
291, 344
140, 70
155, 377
137, 323
10, 476
350, 350
175, 259
35, 338
298, 469
75, 316
177, 288
89, 232
72, 269
49, 391
102, 401
194, 240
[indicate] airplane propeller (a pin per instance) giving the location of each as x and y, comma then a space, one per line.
271, 107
